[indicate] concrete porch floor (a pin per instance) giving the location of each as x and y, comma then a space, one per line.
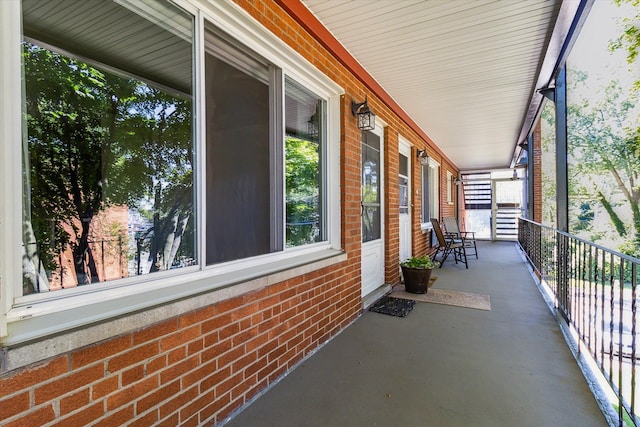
442, 365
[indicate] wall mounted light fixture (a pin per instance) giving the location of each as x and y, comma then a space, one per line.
423, 157
548, 92
366, 118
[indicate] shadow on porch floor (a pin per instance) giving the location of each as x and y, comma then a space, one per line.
442, 365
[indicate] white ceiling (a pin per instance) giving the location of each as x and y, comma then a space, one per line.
463, 70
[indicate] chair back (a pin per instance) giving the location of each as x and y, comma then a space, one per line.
451, 225
439, 234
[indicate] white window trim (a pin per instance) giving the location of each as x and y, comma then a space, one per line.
41, 315
449, 188
10, 150
432, 164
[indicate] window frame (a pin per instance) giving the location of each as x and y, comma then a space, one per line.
37, 316
430, 193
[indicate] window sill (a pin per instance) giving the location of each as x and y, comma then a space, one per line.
426, 227
131, 307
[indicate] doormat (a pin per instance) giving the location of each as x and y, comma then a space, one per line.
443, 296
399, 307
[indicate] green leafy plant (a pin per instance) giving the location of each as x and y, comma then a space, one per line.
424, 262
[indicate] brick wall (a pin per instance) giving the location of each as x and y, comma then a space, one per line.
537, 172
192, 369
198, 367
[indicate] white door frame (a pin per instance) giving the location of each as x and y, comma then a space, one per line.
404, 219
372, 252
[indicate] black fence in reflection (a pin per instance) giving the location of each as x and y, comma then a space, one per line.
104, 260
596, 291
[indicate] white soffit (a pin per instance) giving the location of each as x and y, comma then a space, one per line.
463, 70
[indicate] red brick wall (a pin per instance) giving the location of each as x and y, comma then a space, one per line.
191, 369
392, 213
537, 172
198, 367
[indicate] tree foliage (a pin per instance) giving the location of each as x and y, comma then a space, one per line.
602, 144
629, 39
302, 181
96, 139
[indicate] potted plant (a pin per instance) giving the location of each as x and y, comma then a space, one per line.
417, 273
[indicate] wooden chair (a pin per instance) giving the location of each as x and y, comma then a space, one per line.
448, 245
468, 237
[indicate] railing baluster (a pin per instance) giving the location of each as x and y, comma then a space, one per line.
620, 333
634, 282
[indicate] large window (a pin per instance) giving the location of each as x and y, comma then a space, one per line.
151, 175
108, 143
245, 156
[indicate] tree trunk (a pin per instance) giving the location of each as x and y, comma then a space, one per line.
35, 276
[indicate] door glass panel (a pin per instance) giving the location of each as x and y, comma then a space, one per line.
371, 229
404, 184
404, 195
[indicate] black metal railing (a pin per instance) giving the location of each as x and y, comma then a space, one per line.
595, 291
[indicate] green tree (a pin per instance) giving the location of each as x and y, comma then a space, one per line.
602, 143
302, 184
96, 139
629, 39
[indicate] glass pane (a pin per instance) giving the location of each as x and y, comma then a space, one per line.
404, 195
426, 212
370, 186
108, 156
237, 160
434, 191
548, 140
304, 118
403, 166
370, 223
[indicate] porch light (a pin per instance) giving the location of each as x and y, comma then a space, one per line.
548, 92
366, 118
423, 157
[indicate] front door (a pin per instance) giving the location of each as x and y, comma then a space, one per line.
404, 172
372, 211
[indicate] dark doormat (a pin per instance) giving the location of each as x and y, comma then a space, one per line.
393, 306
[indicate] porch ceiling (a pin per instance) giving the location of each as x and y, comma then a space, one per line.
464, 71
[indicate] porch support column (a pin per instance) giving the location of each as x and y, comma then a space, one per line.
562, 180
531, 178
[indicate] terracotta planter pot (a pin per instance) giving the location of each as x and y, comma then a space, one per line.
416, 280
